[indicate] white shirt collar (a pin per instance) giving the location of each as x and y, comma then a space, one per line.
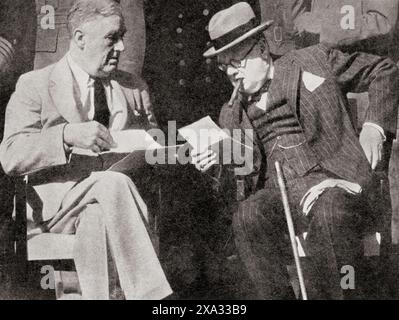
270, 75
82, 77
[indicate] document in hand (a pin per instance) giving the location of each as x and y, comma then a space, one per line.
206, 134
130, 153
133, 145
132, 140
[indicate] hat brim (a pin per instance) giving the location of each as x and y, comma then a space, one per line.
213, 52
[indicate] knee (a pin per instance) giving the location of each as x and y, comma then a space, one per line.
337, 205
91, 217
257, 215
113, 180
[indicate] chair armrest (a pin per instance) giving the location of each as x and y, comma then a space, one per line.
20, 220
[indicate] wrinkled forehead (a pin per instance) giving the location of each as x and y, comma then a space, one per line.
102, 24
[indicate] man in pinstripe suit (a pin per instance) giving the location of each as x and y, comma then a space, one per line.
299, 111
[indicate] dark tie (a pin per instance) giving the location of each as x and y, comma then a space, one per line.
265, 88
101, 110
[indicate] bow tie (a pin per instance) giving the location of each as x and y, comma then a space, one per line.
258, 95
254, 99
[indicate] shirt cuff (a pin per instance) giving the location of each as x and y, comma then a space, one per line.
377, 127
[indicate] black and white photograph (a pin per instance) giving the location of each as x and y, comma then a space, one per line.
222, 151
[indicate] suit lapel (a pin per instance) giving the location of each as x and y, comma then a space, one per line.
120, 91
64, 91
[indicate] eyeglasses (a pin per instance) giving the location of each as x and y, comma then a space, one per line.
236, 63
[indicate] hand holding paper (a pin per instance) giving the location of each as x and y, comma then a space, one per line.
204, 133
128, 152
88, 135
203, 161
211, 145
131, 140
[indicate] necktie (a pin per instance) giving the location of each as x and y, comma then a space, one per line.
237, 112
265, 88
101, 110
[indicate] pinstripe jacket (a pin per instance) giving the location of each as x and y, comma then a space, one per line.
319, 116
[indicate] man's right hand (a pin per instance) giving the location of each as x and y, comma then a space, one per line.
203, 161
88, 135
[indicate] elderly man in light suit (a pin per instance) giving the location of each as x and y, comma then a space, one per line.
52, 44
75, 103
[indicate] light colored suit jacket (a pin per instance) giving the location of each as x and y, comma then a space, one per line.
44, 102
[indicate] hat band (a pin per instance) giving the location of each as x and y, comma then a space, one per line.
234, 34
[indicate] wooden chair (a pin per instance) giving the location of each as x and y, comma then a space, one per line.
54, 252
36, 250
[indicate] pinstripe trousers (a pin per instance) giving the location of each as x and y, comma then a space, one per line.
334, 238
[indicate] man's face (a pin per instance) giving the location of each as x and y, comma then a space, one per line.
245, 63
103, 44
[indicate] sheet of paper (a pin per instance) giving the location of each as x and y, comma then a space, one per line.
203, 133
127, 141
139, 159
132, 140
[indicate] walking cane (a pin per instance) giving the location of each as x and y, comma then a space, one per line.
291, 230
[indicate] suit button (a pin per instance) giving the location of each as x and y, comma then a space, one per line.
179, 30
206, 28
208, 79
205, 12
179, 45
182, 82
208, 61
180, 16
182, 63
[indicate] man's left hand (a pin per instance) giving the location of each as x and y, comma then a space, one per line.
371, 141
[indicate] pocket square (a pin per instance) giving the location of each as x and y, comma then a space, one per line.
311, 81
